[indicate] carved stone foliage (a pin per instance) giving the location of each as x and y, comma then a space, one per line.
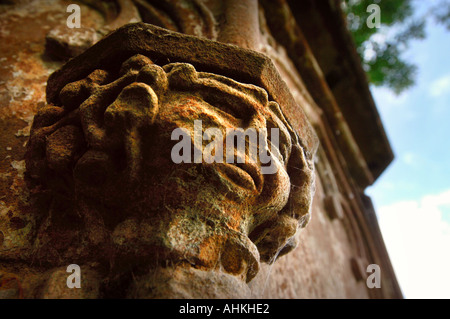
99, 157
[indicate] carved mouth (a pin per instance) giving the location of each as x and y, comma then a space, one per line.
244, 175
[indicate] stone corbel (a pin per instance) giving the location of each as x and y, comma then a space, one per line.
101, 149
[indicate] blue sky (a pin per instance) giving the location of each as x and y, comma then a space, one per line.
412, 197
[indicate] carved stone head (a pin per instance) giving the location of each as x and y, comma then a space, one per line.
102, 152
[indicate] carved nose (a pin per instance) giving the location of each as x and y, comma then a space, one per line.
136, 106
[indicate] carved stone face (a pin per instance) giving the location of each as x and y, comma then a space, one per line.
107, 150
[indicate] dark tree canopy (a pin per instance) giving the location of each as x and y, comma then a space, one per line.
381, 49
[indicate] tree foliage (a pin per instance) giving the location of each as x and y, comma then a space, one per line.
442, 13
382, 49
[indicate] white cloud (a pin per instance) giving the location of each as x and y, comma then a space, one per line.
418, 241
385, 98
393, 107
440, 86
409, 158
